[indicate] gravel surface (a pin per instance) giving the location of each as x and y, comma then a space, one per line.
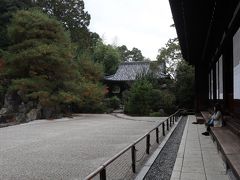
68, 148
164, 163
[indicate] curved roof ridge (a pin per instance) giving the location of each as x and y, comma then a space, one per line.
136, 62
128, 71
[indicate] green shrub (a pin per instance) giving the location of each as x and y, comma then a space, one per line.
168, 100
91, 97
125, 96
139, 98
112, 103
156, 100
144, 100
157, 114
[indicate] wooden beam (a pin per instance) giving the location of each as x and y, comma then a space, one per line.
226, 33
209, 32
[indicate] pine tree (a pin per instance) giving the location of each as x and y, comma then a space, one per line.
7, 8
39, 62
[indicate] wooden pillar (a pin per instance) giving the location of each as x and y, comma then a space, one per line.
201, 86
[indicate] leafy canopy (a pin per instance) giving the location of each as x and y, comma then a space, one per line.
185, 85
70, 12
74, 18
136, 55
170, 55
108, 56
130, 55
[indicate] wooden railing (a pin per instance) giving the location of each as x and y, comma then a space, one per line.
165, 125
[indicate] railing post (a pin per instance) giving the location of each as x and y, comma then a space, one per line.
103, 174
171, 121
168, 124
133, 159
157, 135
163, 128
148, 144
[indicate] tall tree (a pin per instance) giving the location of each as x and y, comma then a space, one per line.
185, 85
75, 19
108, 56
170, 55
136, 55
86, 40
70, 12
39, 63
124, 53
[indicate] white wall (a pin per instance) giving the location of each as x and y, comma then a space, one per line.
236, 65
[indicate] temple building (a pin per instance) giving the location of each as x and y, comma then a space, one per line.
128, 72
209, 36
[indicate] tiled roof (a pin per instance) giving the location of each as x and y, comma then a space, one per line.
128, 71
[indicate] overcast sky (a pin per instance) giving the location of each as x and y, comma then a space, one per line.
144, 24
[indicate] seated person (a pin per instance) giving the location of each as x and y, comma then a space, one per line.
216, 119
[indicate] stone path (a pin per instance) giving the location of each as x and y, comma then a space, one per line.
198, 158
